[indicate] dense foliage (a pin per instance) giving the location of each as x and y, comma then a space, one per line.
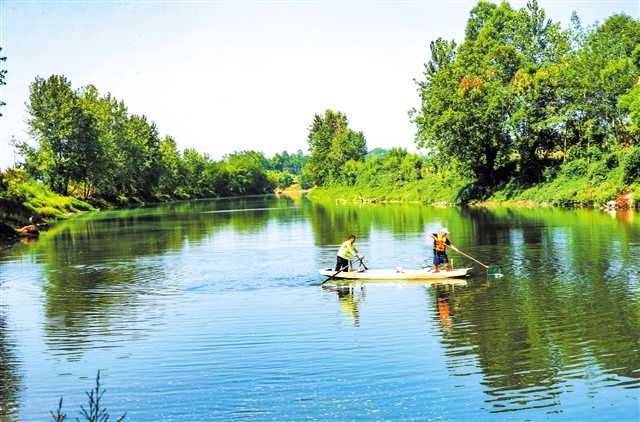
22, 197
521, 96
394, 175
88, 145
521, 109
331, 145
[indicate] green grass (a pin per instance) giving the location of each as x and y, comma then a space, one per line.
428, 190
38, 198
577, 183
581, 182
48, 204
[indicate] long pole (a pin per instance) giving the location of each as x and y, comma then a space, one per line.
470, 257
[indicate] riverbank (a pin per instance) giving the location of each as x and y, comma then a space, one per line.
28, 206
560, 192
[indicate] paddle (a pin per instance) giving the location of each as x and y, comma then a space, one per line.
362, 263
331, 277
491, 270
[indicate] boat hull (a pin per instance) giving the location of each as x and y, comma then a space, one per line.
396, 274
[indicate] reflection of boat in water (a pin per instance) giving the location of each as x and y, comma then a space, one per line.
424, 274
444, 308
441, 281
350, 296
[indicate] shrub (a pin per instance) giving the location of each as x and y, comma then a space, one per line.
576, 168
631, 164
95, 410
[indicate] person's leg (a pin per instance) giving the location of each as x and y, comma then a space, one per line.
436, 262
445, 259
339, 263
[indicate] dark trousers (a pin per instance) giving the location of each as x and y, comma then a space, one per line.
342, 264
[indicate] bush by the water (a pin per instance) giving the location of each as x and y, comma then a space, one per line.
593, 179
21, 193
632, 167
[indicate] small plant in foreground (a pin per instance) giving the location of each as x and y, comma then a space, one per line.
95, 410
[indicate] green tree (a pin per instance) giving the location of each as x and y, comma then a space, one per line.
90, 158
466, 101
53, 114
247, 173
520, 90
331, 145
630, 105
140, 153
169, 180
192, 171
285, 162
86, 155
601, 71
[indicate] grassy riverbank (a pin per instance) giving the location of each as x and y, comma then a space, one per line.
24, 200
578, 183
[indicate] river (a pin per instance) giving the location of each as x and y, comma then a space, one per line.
213, 310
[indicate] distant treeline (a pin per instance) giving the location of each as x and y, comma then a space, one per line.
520, 109
89, 146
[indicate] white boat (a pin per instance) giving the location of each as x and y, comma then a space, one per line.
398, 274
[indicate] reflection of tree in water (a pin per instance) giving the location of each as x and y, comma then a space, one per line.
566, 308
9, 382
332, 223
105, 270
350, 296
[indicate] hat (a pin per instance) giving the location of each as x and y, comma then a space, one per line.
444, 230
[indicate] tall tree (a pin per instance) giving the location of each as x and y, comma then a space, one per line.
466, 96
170, 158
53, 112
331, 145
533, 119
247, 173
519, 90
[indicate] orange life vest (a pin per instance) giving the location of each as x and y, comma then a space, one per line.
441, 243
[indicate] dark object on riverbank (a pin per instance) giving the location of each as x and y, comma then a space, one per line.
7, 232
31, 231
95, 410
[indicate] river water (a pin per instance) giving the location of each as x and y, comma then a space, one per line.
213, 310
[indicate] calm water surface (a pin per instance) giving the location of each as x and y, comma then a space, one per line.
212, 310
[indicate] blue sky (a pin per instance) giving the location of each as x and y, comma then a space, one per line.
221, 76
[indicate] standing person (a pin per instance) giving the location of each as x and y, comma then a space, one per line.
347, 248
440, 243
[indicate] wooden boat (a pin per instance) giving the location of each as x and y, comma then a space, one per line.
398, 274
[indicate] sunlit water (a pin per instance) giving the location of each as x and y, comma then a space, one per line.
213, 310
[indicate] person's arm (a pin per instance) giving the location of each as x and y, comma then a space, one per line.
451, 245
356, 252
